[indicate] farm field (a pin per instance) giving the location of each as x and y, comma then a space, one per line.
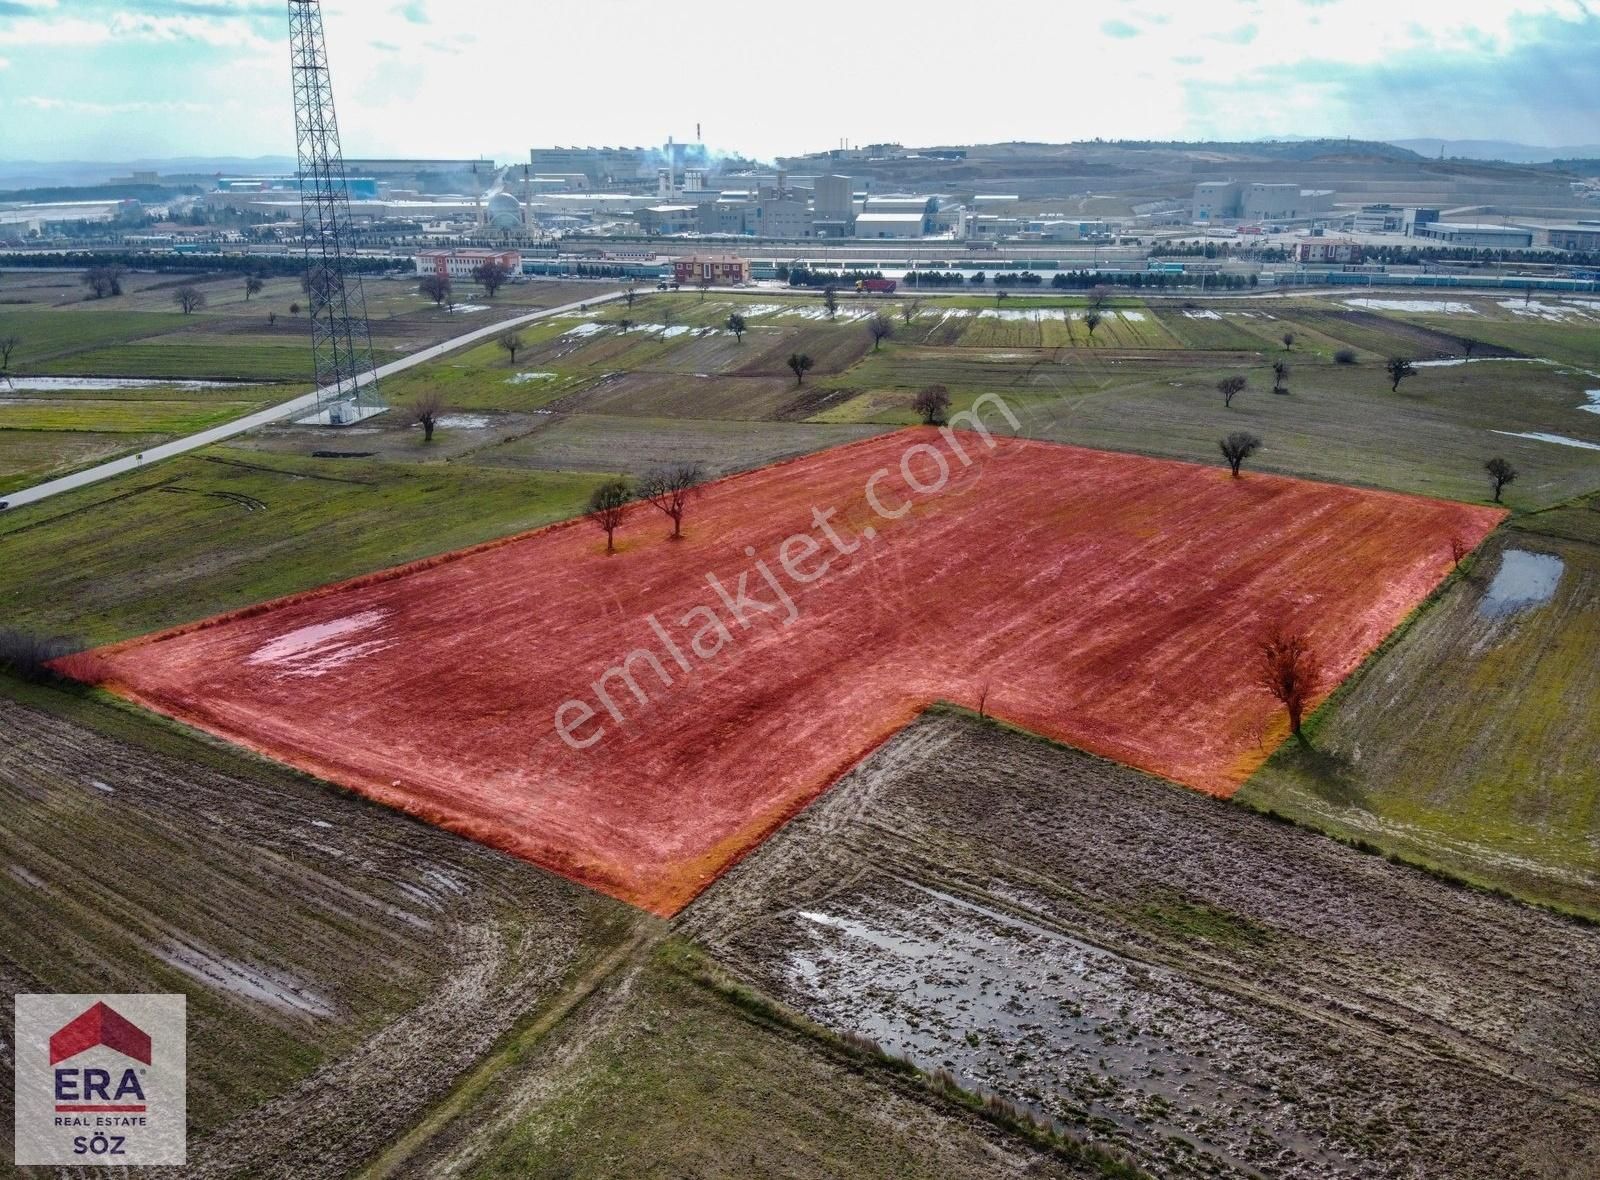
1215, 993
326, 945
1473, 744
1129, 662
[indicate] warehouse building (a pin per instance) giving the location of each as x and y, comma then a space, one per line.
1582, 235
1477, 235
889, 225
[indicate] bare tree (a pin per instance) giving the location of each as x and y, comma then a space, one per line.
425, 410
909, 310
1288, 669
1468, 344
830, 300
1458, 549
624, 324
1398, 368
1230, 388
932, 402
1001, 296
630, 295
510, 340
294, 309
104, 280
881, 327
189, 298
1099, 297
1238, 447
798, 363
704, 283
435, 287
670, 489
1280, 374
1288, 341
736, 326
8, 345
272, 318
609, 505
491, 276
1091, 320
252, 286
1500, 474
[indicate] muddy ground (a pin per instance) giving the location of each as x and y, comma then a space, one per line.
343, 963
1216, 991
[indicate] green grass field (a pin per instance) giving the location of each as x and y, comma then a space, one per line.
1473, 743
222, 528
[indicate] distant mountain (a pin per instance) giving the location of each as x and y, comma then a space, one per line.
1497, 149
48, 173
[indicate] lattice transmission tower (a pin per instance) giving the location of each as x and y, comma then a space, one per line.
341, 340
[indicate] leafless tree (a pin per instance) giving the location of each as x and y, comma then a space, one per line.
736, 326
798, 363
830, 300
189, 298
624, 323
1091, 320
1288, 669
1230, 388
1280, 374
1099, 297
1398, 368
1500, 474
491, 276
8, 345
704, 283
272, 318
1458, 549
1238, 447
104, 280
1288, 341
425, 410
609, 505
510, 340
435, 287
630, 295
252, 286
932, 402
880, 327
671, 488
909, 310
1001, 296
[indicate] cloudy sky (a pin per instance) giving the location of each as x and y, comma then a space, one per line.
119, 79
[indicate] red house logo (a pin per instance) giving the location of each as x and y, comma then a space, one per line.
80, 1091
100, 1025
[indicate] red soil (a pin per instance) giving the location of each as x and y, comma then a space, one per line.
1110, 601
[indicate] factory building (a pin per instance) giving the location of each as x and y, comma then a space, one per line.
835, 198
459, 264
670, 219
873, 224
1476, 235
1228, 200
1582, 235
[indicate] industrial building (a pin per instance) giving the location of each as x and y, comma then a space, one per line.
1581, 235
834, 198
1476, 235
670, 219
889, 225
1328, 250
459, 264
1233, 200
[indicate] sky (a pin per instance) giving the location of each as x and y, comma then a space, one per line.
127, 79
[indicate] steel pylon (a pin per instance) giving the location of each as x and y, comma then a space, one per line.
341, 340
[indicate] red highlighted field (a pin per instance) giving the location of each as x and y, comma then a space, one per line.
1110, 601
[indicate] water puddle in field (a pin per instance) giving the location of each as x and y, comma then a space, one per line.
1524, 580
1445, 306
1064, 1029
276, 989
523, 378
50, 384
321, 648
463, 422
587, 328
1558, 439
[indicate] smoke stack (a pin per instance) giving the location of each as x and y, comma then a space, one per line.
697, 133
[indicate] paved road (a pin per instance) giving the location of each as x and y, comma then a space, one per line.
289, 409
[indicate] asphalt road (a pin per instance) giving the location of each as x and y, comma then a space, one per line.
304, 404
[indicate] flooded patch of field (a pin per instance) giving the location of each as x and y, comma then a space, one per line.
1524, 580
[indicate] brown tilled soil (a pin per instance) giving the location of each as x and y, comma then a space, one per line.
343, 964
1219, 992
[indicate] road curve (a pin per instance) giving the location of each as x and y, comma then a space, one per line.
302, 404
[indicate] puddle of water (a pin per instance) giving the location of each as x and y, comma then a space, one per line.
274, 988
521, 378
46, 384
320, 648
463, 421
1447, 306
1559, 439
1524, 580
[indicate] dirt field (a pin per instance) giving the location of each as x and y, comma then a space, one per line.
343, 963
1090, 618
1220, 993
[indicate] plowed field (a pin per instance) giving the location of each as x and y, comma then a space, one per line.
1107, 600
